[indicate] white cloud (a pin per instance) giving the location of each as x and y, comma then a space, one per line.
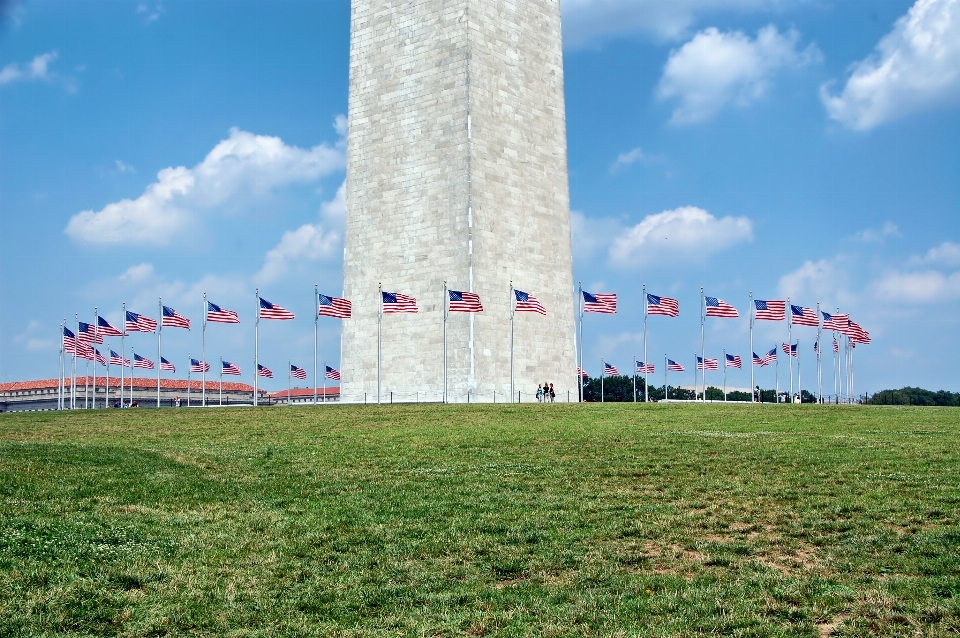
922, 287
240, 168
310, 242
915, 67
587, 21
889, 229
151, 14
37, 69
716, 68
683, 232
123, 167
592, 234
946, 254
826, 281
137, 274
626, 159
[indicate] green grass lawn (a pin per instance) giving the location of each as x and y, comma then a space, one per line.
540, 520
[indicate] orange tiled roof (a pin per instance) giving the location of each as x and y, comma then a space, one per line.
332, 391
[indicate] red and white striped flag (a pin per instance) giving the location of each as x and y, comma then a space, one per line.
139, 323
142, 362
464, 301
263, 371
273, 311
395, 303
664, 306
528, 303
769, 310
707, 364
298, 373
835, 322
166, 365
334, 307
216, 314
332, 373
720, 308
800, 316
231, 368
117, 360
174, 319
605, 303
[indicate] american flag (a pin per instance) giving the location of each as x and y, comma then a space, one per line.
662, 306
334, 307
262, 371
71, 345
139, 323
800, 316
582, 373
199, 366
770, 310
836, 346
645, 368
610, 370
99, 357
216, 314
464, 301
605, 303
117, 360
332, 373
273, 311
298, 373
174, 319
104, 328
816, 347
767, 359
89, 334
673, 366
707, 364
835, 322
720, 308
230, 368
789, 349
858, 334
733, 361
142, 362
166, 365
528, 303
395, 303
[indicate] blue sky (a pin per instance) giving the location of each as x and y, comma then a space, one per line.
808, 148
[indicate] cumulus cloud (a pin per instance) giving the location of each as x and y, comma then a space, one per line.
826, 281
922, 287
240, 168
36, 69
680, 232
588, 21
889, 229
915, 67
716, 68
946, 254
310, 242
591, 235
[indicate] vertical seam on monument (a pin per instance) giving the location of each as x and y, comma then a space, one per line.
472, 378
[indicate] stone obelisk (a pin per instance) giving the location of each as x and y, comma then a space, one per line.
457, 172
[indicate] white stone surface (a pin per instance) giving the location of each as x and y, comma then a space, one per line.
457, 171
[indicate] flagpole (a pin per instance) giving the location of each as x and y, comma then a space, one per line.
819, 350
316, 318
753, 398
634, 378
189, 365
703, 350
646, 374
380, 341
60, 372
73, 377
603, 370
106, 391
665, 395
580, 375
790, 343
446, 296
288, 382
324, 381
159, 354
799, 384
776, 377
96, 333
256, 353
131, 375
724, 376
840, 369
203, 355
513, 311
86, 383
221, 382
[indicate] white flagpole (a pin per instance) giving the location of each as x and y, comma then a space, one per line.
324, 381
106, 391
446, 296
776, 377
189, 365
60, 375
288, 382
316, 319
203, 355
799, 384
840, 368
131, 375
790, 343
603, 370
634, 378
96, 334
703, 349
221, 382
123, 334
73, 379
580, 301
752, 319
86, 383
646, 374
695, 367
819, 356
513, 310
724, 374
159, 353
256, 353
665, 395
380, 340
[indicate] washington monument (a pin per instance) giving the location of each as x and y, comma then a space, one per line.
457, 173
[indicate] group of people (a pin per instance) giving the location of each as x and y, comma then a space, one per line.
545, 393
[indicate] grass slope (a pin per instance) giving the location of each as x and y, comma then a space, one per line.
548, 520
